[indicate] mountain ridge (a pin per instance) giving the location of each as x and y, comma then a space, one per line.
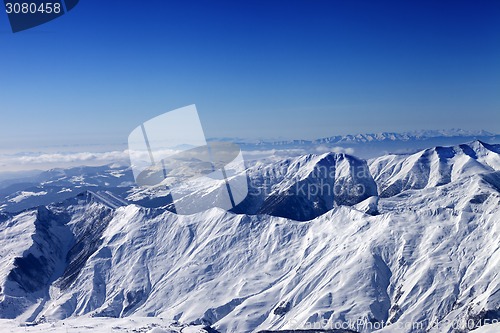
426, 253
380, 136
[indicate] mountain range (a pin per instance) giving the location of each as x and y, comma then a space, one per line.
368, 146
396, 243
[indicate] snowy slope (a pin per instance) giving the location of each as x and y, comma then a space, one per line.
16, 233
49, 240
60, 184
104, 325
427, 254
433, 167
309, 186
300, 188
418, 260
490, 328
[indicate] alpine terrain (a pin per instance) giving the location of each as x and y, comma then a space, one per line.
398, 243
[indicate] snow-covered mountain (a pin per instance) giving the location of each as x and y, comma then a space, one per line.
300, 188
433, 167
59, 184
308, 186
312, 184
426, 253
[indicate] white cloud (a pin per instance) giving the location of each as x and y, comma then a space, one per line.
44, 161
70, 157
338, 150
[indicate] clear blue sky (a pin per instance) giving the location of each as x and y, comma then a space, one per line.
293, 69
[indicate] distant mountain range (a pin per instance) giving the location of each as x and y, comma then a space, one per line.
406, 136
373, 145
373, 137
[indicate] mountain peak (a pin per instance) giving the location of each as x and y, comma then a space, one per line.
433, 166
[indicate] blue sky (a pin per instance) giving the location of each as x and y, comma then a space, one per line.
291, 69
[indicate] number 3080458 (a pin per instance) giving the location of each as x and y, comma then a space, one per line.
33, 8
